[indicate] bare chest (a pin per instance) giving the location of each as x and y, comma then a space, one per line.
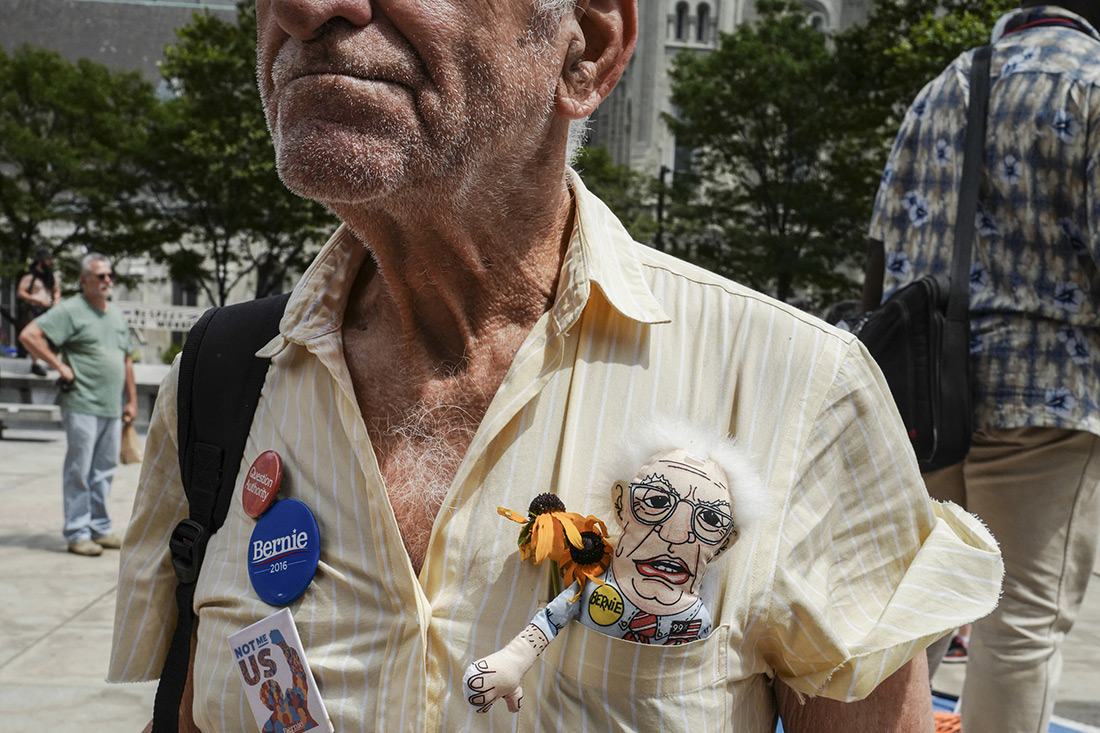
420, 429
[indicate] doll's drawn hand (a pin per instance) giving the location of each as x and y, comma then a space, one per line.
484, 685
498, 675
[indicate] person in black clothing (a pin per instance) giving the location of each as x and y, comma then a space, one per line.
37, 291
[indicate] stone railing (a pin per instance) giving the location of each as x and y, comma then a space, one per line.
27, 399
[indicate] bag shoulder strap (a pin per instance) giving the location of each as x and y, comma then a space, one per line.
958, 301
220, 380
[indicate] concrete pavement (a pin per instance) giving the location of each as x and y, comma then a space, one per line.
56, 611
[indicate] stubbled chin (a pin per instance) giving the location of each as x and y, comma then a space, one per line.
326, 166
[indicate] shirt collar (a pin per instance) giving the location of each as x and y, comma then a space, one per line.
316, 306
600, 251
1048, 11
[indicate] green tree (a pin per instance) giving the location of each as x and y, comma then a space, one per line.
72, 141
882, 64
216, 171
626, 192
903, 43
937, 38
760, 203
791, 130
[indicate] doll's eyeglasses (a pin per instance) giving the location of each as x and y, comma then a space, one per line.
651, 504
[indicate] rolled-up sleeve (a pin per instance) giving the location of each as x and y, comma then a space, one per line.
869, 570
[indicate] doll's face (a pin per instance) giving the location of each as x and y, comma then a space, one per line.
676, 517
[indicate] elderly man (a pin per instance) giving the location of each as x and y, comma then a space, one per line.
95, 369
481, 330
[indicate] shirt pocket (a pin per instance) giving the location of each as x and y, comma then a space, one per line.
613, 684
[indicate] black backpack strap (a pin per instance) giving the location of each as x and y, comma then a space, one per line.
958, 302
220, 380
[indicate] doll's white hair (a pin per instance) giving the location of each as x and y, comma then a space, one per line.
645, 440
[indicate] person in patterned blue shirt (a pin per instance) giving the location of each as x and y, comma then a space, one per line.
1033, 472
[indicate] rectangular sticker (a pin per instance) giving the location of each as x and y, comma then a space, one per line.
279, 686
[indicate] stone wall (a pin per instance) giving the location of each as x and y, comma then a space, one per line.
127, 36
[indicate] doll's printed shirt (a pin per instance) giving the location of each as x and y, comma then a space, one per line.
853, 573
1034, 282
624, 620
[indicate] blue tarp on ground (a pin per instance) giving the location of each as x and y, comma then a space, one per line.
947, 705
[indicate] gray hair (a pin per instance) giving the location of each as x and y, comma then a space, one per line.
87, 260
578, 133
555, 9
546, 18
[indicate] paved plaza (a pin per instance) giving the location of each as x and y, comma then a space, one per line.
56, 612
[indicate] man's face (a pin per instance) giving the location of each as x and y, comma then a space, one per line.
676, 516
98, 282
364, 97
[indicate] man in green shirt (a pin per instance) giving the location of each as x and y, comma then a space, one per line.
95, 367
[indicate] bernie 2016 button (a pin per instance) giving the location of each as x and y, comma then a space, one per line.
283, 552
262, 483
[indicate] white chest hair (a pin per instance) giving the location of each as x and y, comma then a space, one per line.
419, 458
422, 414
421, 423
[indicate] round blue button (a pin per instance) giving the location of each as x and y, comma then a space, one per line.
283, 552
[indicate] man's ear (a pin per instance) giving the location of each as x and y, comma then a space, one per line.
603, 34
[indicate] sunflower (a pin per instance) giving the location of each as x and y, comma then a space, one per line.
587, 561
548, 529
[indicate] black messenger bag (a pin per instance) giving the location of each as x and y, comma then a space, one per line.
920, 337
924, 355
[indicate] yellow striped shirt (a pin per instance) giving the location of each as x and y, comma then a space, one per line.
855, 571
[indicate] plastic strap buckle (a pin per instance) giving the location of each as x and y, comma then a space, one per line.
188, 545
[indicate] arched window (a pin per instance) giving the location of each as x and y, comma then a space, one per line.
702, 22
682, 11
816, 15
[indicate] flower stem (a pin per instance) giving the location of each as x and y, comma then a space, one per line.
555, 580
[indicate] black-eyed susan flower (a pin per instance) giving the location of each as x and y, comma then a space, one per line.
592, 524
587, 561
547, 529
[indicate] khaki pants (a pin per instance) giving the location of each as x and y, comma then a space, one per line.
1038, 491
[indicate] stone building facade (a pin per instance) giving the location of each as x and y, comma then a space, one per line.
630, 121
125, 35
